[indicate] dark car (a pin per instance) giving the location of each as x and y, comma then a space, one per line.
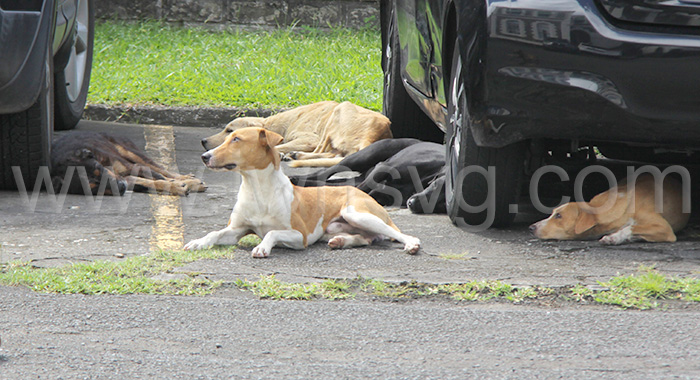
46, 51
512, 82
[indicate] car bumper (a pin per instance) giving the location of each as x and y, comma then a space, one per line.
574, 74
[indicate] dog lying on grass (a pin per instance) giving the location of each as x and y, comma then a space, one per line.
622, 214
406, 171
318, 134
290, 216
111, 165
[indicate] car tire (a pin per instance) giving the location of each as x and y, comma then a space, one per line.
25, 138
72, 82
407, 119
472, 199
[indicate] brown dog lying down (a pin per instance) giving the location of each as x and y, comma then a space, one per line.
318, 134
630, 216
114, 159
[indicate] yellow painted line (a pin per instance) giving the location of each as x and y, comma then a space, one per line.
168, 230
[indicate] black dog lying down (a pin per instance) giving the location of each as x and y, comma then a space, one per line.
401, 171
114, 159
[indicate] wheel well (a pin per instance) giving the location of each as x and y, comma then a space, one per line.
384, 22
449, 40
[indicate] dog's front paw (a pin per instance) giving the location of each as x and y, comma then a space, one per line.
623, 235
261, 251
412, 246
195, 185
611, 239
176, 187
197, 244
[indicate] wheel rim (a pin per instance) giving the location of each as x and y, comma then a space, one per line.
388, 56
75, 69
387, 74
457, 102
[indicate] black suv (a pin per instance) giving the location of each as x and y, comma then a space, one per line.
45, 62
513, 82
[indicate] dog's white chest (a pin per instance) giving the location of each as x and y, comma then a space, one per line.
264, 203
262, 224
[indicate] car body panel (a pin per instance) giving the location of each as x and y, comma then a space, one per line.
23, 66
655, 12
555, 69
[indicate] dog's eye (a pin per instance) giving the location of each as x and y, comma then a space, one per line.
236, 139
229, 130
557, 216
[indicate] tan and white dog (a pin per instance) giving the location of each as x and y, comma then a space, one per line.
290, 216
318, 134
622, 214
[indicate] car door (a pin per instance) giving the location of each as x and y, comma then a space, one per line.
420, 29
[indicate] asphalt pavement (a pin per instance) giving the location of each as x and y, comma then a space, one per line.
233, 334
51, 231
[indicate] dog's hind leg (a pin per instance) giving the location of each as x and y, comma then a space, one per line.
146, 164
303, 142
194, 184
160, 186
347, 241
313, 156
373, 224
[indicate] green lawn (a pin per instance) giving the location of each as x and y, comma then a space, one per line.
153, 63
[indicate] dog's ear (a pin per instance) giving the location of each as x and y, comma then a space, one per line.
269, 138
609, 206
84, 153
584, 222
57, 183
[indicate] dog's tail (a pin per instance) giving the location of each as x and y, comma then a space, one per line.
315, 162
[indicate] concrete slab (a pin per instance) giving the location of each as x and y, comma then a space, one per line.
77, 230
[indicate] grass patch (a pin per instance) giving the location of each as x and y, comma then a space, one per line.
270, 287
455, 256
154, 63
645, 289
486, 290
249, 241
636, 291
642, 290
133, 275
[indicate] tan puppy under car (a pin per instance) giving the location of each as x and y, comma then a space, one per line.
290, 216
622, 214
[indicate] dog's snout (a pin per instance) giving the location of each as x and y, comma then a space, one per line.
533, 227
204, 142
206, 157
121, 185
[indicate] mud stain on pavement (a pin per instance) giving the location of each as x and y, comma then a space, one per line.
168, 228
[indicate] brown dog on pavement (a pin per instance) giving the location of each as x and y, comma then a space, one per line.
287, 215
622, 214
115, 159
318, 134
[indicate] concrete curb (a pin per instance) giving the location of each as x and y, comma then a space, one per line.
218, 14
180, 116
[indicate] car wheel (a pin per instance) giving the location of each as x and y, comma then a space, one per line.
72, 83
25, 138
407, 119
481, 183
